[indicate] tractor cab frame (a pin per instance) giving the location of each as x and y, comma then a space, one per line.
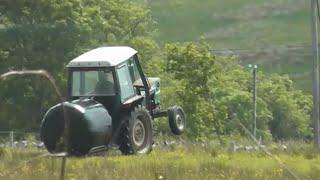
129, 81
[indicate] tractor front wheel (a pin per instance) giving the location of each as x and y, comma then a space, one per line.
177, 120
137, 132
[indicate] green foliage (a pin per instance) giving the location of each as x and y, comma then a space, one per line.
192, 66
291, 109
215, 92
147, 52
46, 34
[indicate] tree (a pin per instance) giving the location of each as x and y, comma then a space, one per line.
291, 109
216, 94
46, 34
192, 64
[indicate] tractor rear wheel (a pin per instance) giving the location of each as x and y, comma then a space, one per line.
136, 137
177, 120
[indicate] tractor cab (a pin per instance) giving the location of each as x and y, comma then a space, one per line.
110, 75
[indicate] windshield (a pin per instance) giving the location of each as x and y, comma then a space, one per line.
92, 83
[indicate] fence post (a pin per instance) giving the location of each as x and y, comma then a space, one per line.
11, 138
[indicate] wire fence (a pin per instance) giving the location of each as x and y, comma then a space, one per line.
20, 139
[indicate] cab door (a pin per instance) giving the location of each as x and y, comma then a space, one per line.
125, 82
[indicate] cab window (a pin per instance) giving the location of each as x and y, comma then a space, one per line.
125, 82
135, 75
92, 83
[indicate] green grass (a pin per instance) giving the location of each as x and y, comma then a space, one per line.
242, 24
233, 23
171, 163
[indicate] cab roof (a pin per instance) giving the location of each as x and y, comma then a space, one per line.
103, 57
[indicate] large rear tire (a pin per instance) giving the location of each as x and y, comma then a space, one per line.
136, 136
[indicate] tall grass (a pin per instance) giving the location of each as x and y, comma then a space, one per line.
173, 162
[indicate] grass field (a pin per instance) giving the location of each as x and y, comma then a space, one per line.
170, 163
233, 23
243, 24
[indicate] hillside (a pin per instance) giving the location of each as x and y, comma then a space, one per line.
274, 34
233, 23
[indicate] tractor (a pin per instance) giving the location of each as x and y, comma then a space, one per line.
110, 102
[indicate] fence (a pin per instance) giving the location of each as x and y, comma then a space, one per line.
20, 139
